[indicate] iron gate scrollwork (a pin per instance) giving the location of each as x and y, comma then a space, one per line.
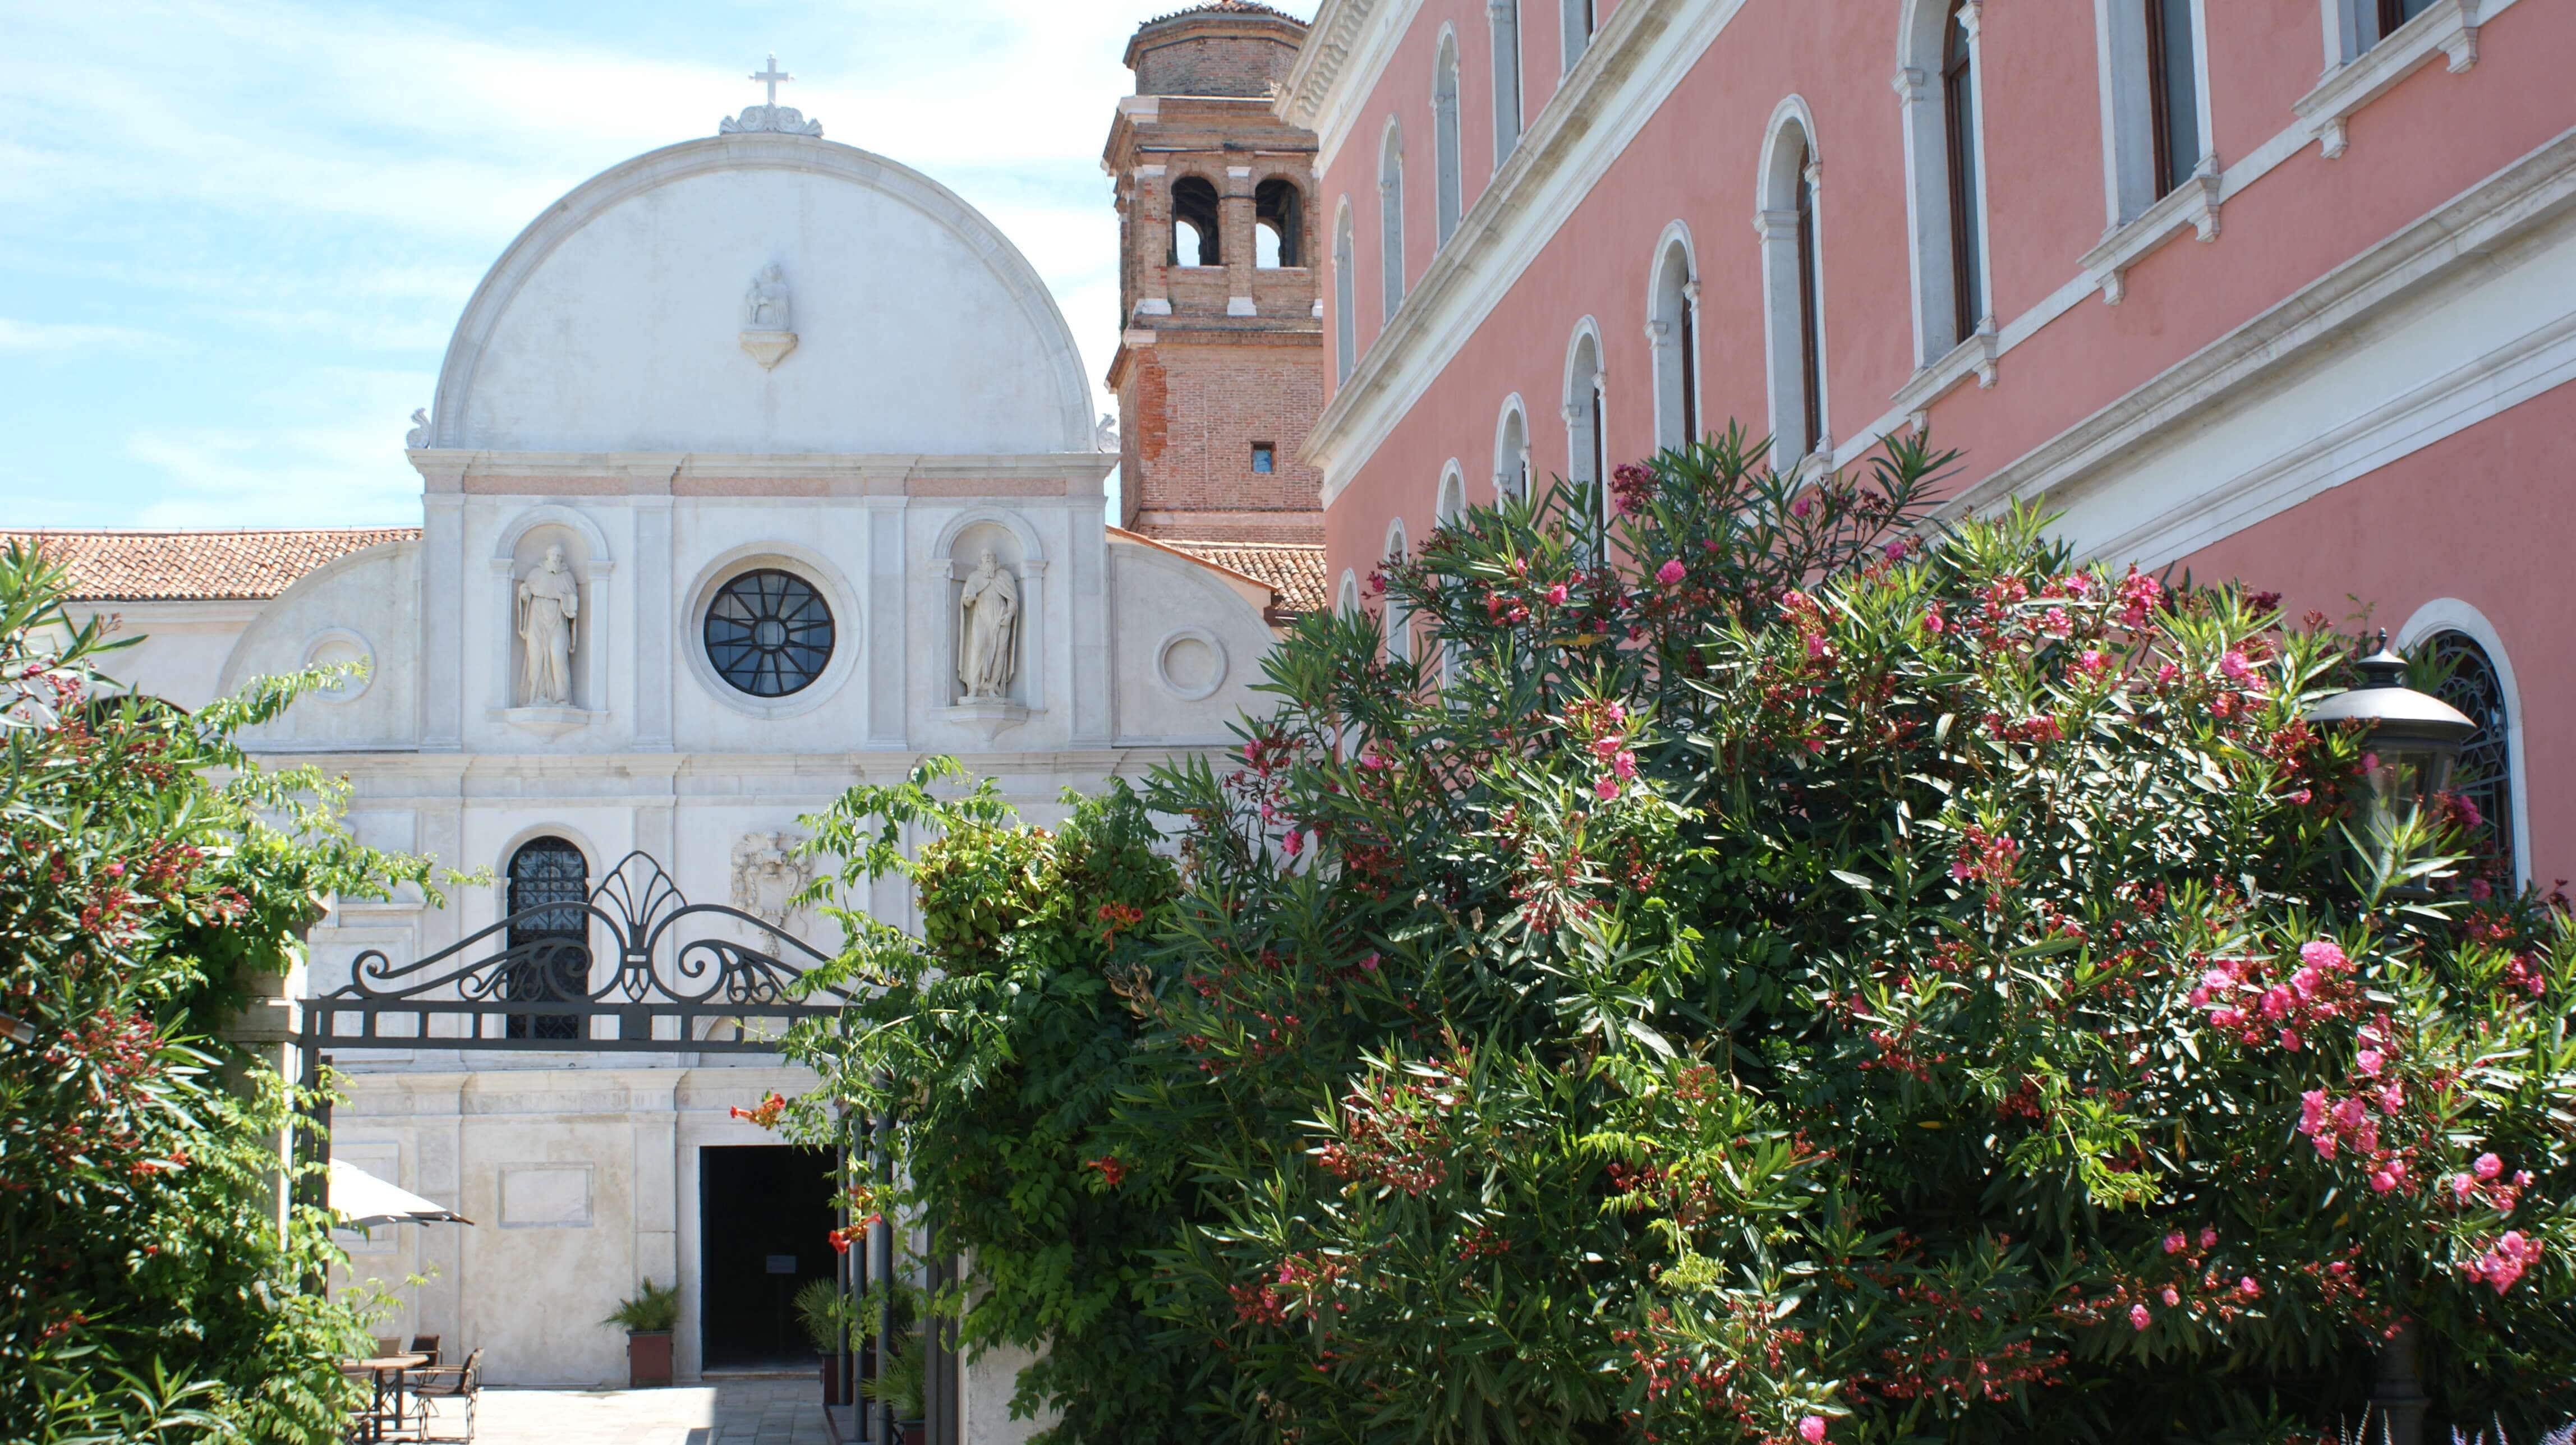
634, 953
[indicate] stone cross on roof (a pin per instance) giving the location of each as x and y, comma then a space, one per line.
773, 117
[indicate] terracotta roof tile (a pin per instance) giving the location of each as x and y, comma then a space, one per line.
1225, 7
1294, 570
121, 566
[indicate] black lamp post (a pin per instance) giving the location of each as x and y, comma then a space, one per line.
2412, 742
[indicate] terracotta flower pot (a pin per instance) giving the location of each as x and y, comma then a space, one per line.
648, 1359
831, 1379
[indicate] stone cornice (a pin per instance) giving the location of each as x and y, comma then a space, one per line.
832, 473
1347, 46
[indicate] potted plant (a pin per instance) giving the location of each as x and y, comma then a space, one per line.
899, 1382
648, 1319
825, 1314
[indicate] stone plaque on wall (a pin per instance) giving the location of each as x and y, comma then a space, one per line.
545, 1196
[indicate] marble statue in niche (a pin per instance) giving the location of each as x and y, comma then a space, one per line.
764, 306
418, 436
767, 875
988, 632
549, 604
1105, 435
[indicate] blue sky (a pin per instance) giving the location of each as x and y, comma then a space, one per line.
234, 234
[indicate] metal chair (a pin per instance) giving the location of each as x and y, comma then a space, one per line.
444, 1383
425, 1345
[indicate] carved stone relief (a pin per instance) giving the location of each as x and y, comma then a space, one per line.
767, 335
767, 875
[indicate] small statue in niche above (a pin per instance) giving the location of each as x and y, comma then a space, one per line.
988, 632
764, 306
418, 436
767, 875
549, 604
1105, 435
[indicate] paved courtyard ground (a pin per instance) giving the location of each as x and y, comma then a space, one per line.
727, 1412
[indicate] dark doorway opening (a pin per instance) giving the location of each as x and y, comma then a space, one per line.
764, 1216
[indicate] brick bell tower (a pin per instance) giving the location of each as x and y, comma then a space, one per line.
1219, 371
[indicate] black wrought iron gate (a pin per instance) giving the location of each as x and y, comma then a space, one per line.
634, 967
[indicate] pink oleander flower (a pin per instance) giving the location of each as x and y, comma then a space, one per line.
2304, 982
2480, 889
1816, 648
2488, 1166
1293, 843
1624, 766
1670, 573
2056, 623
2368, 1062
2324, 953
2139, 1316
1605, 787
2236, 668
1811, 1429
2166, 672
1895, 549
1933, 622
2208, 1237
2462, 1186
1556, 595
2370, 762
2174, 1242
2226, 1018
1799, 509
2382, 1180
2173, 1297
2248, 1288
2093, 663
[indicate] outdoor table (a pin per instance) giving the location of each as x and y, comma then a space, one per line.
384, 1370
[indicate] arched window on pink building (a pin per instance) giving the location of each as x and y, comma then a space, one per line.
1503, 17
1399, 624
1792, 288
2155, 100
1576, 20
1511, 452
1346, 323
1586, 445
1448, 186
1390, 221
1672, 334
1937, 85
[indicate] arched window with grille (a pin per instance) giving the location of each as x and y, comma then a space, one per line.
2475, 686
1449, 200
549, 936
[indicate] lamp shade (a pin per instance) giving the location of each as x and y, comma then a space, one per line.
2412, 741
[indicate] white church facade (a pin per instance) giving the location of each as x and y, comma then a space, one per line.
759, 466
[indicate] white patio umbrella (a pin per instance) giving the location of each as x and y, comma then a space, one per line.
362, 1201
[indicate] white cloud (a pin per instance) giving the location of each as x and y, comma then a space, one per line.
64, 339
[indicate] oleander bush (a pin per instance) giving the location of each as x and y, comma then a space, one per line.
1730, 970
147, 870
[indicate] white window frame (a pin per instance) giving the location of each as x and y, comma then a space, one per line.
1346, 321
1922, 44
1668, 307
1586, 393
1346, 597
1397, 622
1575, 22
1503, 19
2362, 64
1448, 166
2128, 118
1390, 221
1512, 450
1775, 223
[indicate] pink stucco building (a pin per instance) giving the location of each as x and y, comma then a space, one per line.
2279, 289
